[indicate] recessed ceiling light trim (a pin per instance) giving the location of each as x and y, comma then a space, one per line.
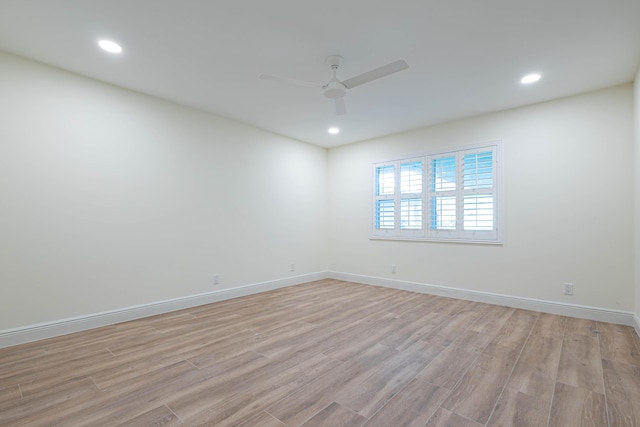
530, 78
109, 46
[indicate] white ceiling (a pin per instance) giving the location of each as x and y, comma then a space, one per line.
465, 56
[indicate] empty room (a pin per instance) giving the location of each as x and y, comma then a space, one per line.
292, 213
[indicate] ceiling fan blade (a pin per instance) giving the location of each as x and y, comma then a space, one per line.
376, 73
289, 81
341, 108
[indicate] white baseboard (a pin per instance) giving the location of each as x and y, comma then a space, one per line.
580, 311
41, 331
11, 337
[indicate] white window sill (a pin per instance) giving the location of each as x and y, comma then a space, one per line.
427, 239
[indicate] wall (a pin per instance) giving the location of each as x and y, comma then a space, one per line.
111, 199
637, 199
568, 212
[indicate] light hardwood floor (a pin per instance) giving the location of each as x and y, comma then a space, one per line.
330, 353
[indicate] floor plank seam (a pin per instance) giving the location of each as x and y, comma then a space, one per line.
606, 399
269, 413
176, 415
465, 417
555, 383
515, 362
564, 335
94, 383
191, 363
469, 366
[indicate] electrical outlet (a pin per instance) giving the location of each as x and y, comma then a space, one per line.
568, 288
292, 267
216, 279
393, 269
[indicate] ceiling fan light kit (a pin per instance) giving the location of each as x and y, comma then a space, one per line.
336, 89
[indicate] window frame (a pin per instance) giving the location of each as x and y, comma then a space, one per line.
426, 232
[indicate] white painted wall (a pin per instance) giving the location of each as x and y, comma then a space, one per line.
637, 197
568, 192
110, 198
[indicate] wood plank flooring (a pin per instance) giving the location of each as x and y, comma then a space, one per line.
330, 353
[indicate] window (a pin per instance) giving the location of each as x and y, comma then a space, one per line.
447, 196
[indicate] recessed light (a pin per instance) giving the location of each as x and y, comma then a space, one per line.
530, 78
333, 131
110, 46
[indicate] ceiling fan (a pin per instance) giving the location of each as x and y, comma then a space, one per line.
336, 89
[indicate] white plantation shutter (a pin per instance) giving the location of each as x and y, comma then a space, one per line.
384, 209
398, 198
385, 214
385, 180
478, 212
442, 195
479, 171
478, 209
447, 196
411, 195
411, 214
